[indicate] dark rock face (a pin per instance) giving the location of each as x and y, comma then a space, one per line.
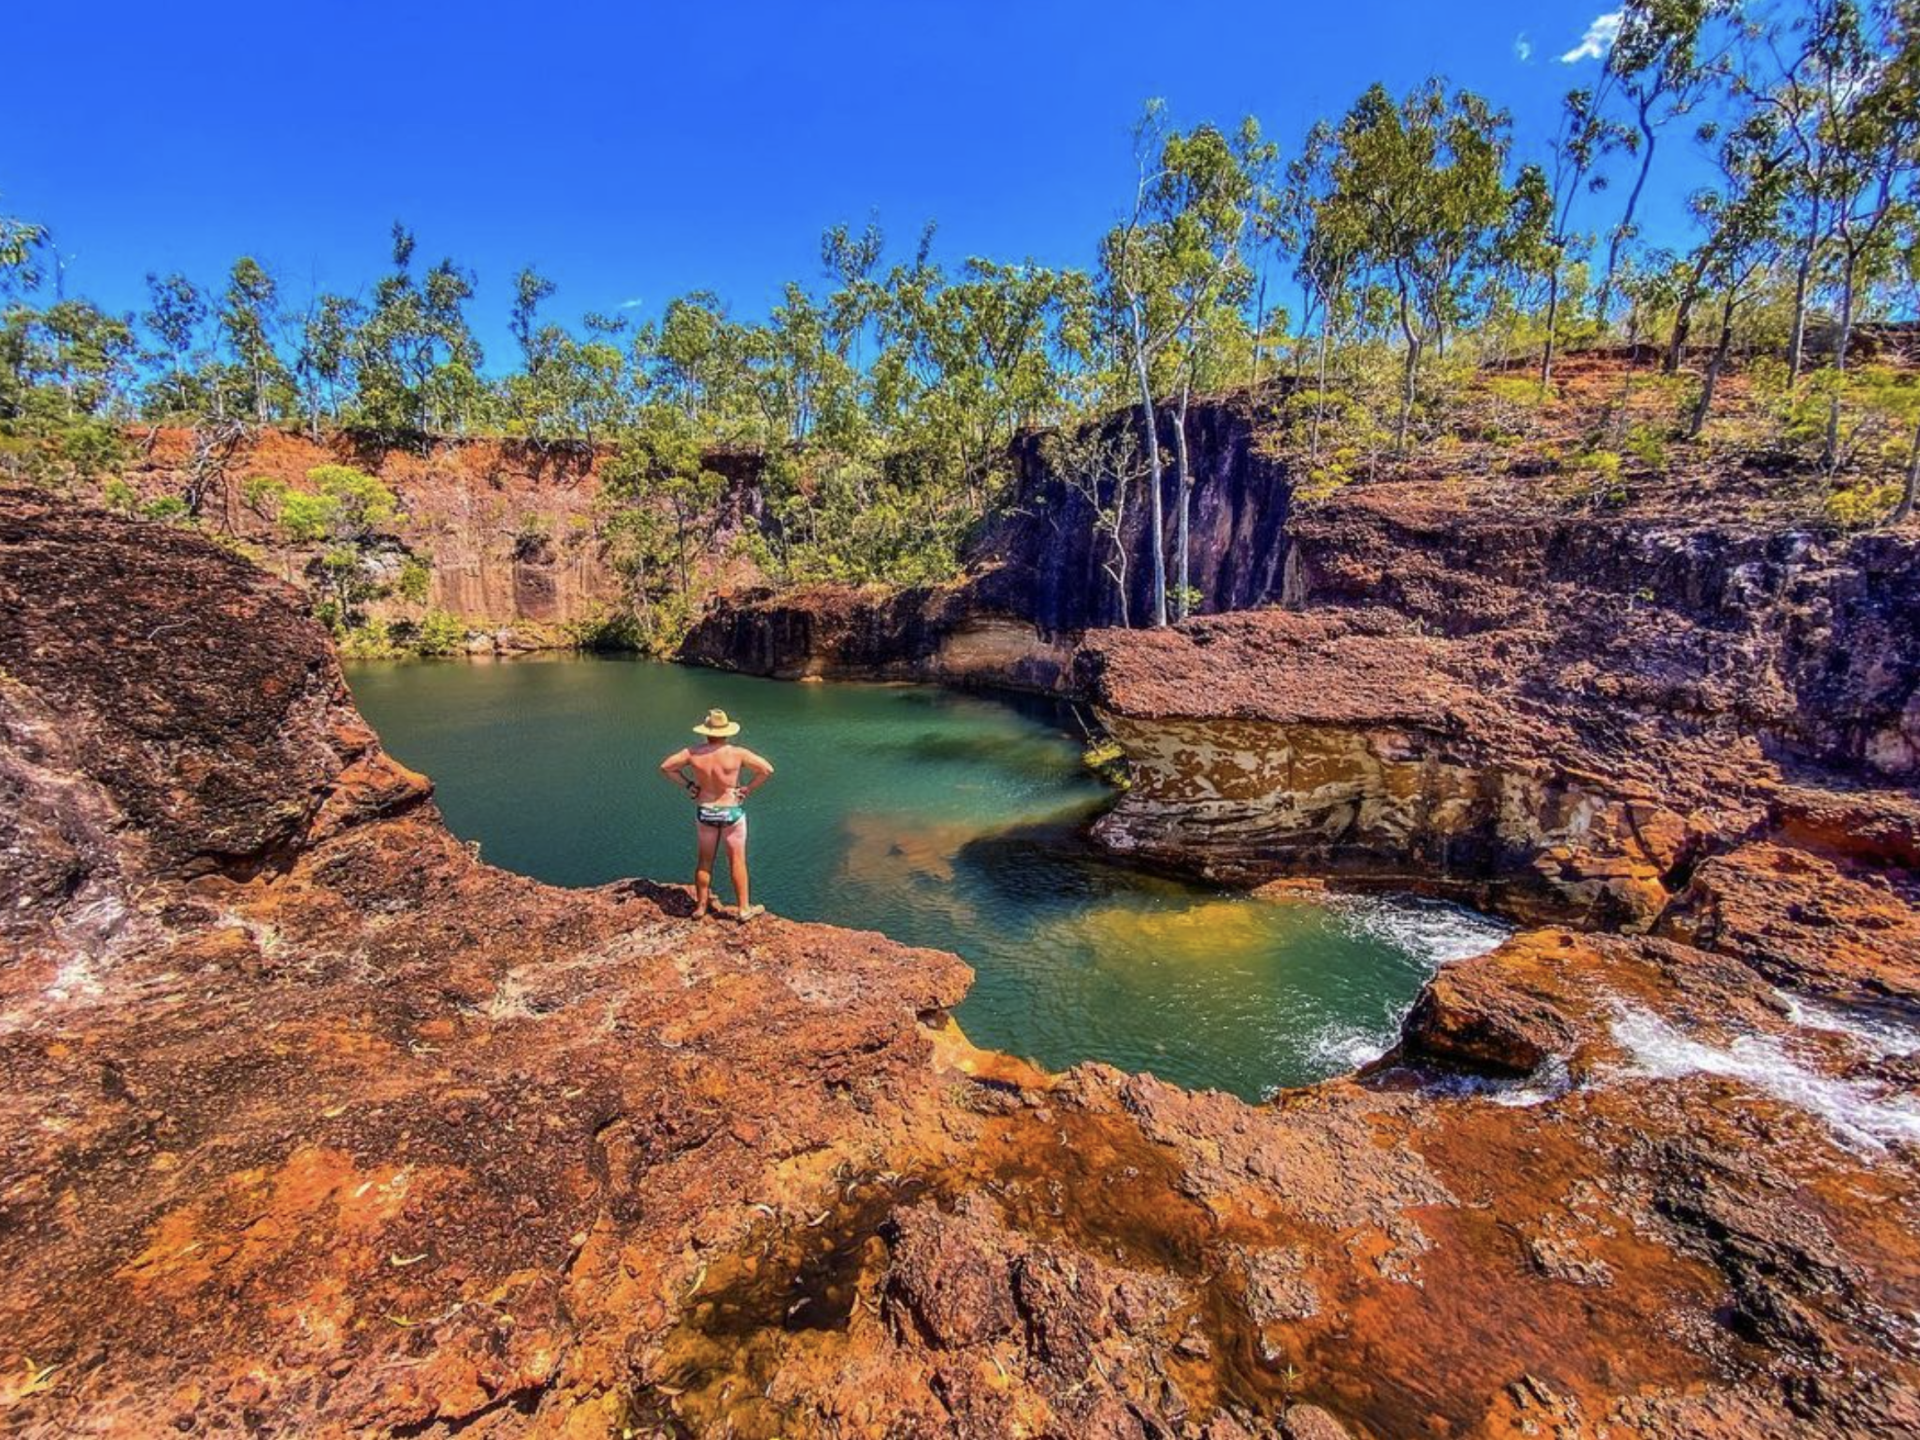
216, 763
952, 635
1051, 564
1565, 711
1810, 642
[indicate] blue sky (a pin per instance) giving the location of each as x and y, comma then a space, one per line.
635, 151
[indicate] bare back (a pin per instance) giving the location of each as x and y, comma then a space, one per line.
716, 770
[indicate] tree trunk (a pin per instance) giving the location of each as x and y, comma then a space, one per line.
1909, 495
1182, 487
1553, 320
1830, 458
1319, 394
1619, 237
1802, 278
1259, 328
1408, 375
1683, 317
1704, 405
1158, 526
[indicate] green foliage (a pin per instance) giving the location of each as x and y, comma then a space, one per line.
167, 509
439, 633
1108, 760
415, 580
616, 631
61, 455
1858, 507
1648, 445
344, 515
1600, 479
368, 640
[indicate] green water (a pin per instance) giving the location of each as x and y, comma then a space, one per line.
941, 819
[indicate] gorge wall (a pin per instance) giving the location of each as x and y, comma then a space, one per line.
516, 531
1049, 560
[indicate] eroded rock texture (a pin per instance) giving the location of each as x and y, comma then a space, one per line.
1557, 715
516, 530
312, 1124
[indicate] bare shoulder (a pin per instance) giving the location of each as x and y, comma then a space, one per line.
753, 759
678, 757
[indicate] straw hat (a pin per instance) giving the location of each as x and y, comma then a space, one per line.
717, 726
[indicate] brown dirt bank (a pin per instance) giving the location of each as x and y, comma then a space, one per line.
314, 1124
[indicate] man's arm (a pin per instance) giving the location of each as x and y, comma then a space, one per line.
762, 771
672, 770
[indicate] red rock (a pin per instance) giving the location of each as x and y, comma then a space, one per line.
311, 1123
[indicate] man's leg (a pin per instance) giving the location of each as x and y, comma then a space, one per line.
737, 862
703, 869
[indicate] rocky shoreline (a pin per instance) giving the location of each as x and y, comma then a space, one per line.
314, 1123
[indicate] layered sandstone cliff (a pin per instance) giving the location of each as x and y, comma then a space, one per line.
314, 1124
1556, 715
516, 532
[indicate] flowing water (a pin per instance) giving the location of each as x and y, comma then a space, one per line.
941, 819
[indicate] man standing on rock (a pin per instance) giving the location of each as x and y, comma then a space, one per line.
719, 799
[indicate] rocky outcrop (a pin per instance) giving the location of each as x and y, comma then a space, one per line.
516, 531
1554, 714
951, 635
1806, 643
312, 1123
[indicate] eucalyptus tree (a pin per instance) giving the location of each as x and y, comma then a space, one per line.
1909, 280
1417, 194
417, 360
1170, 271
1523, 253
966, 361
85, 354
698, 359
1326, 256
323, 358
1211, 195
1870, 177
247, 318
598, 385
176, 312
1742, 217
22, 243
1583, 136
1804, 50
1660, 75
854, 261
527, 391
803, 373
387, 397
450, 359
21, 246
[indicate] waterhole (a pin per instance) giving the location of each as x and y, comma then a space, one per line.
941, 819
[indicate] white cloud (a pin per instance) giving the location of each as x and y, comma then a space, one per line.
1599, 38
634, 304
1522, 48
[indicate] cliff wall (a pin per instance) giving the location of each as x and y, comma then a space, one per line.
516, 532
